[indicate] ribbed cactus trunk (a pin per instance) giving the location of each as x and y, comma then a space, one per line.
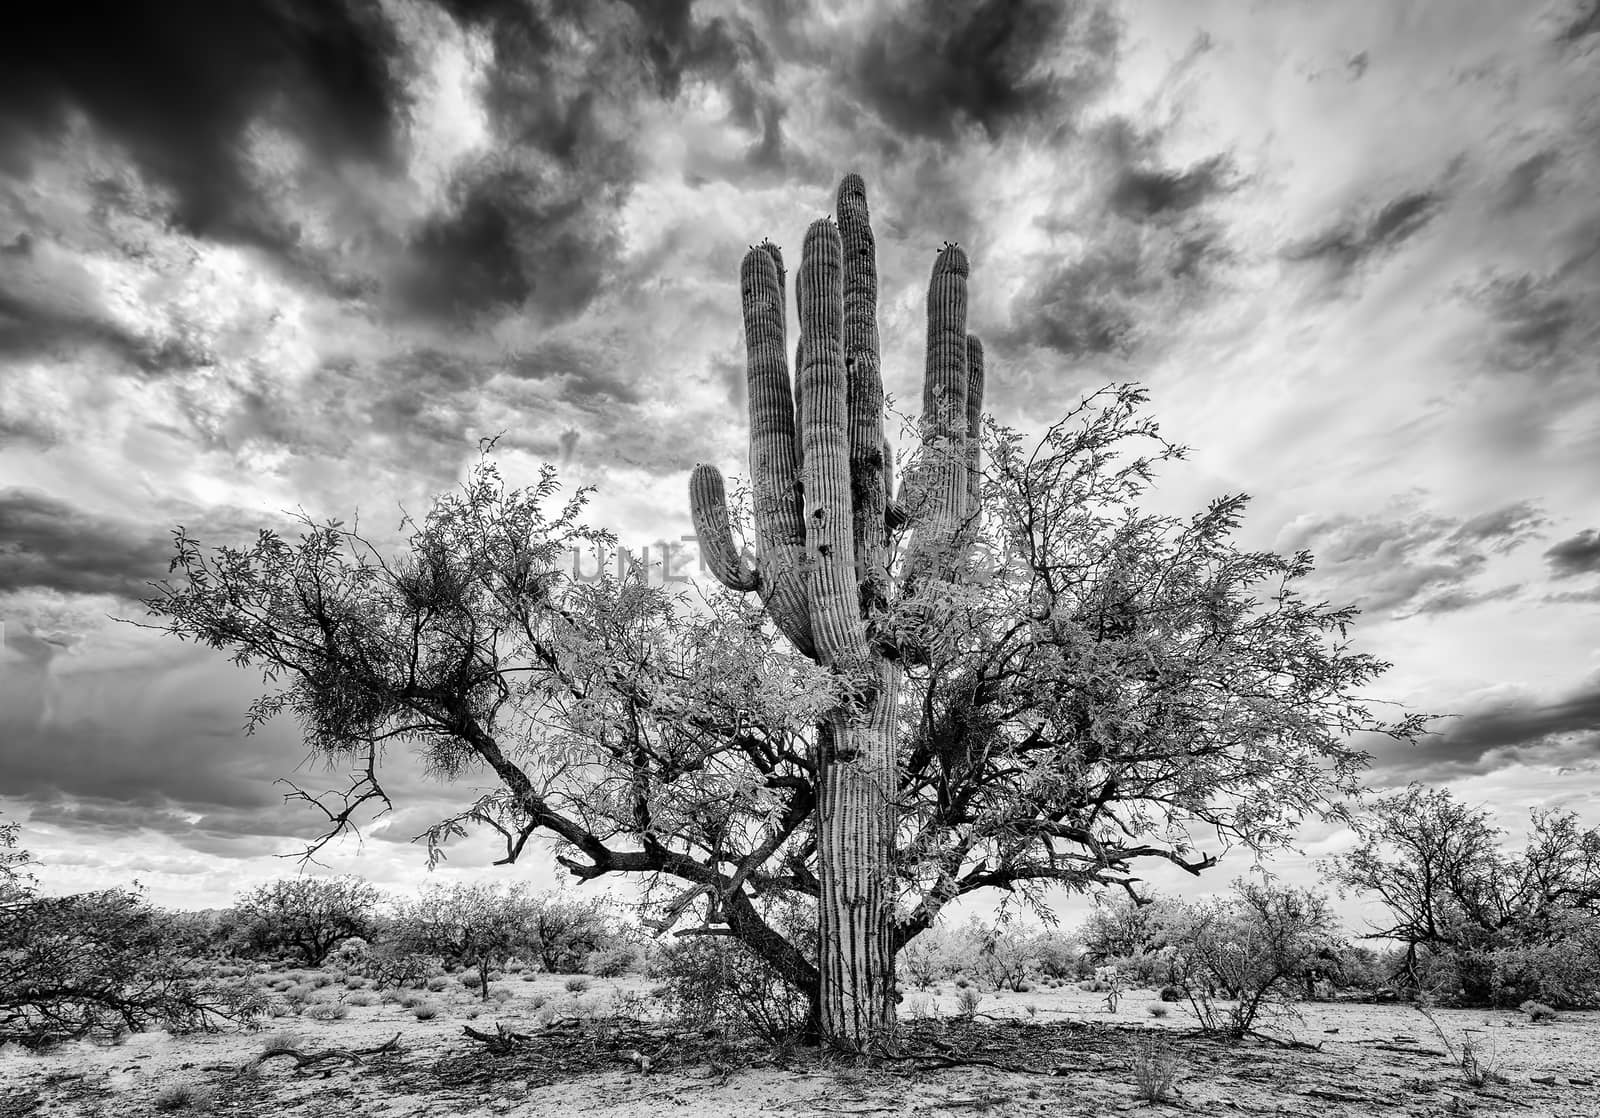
821, 484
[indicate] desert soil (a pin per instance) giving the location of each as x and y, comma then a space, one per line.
1067, 1056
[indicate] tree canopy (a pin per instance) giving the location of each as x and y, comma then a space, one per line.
1100, 687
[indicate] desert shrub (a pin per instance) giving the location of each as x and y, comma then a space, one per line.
1538, 1012
438, 983
92, 964
1057, 955
716, 982
1151, 969
282, 1042
1254, 946
327, 1011
362, 998
308, 916
425, 1011
967, 1002
183, 1096
1155, 1067
577, 984
928, 959
1565, 974
502, 995
1158, 1009
354, 982
471, 981
611, 962
1170, 993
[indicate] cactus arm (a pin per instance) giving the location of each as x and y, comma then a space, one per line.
940, 501
708, 504
975, 374
824, 431
864, 393
775, 477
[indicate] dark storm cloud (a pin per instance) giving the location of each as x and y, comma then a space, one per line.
1414, 563
1524, 183
1345, 247
175, 83
516, 238
1096, 302
930, 70
1148, 192
1577, 555
1525, 723
535, 226
590, 374
1532, 731
1535, 320
1153, 244
48, 543
1585, 22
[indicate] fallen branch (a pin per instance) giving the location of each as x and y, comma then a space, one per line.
304, 1060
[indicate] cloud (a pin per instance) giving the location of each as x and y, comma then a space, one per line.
930, 71
1149, 247
1576, 555
1413, 563
1509, 725
46, 542
1346, 247
178, 84
50, 303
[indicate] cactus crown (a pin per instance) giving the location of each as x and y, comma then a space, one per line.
819, 461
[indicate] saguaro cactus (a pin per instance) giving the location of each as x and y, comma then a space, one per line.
822, 487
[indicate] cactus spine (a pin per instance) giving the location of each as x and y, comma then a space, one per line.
823, 504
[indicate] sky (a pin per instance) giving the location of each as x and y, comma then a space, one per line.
269, 256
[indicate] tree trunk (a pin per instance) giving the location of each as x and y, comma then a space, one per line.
855, 868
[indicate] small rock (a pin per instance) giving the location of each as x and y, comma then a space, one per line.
1580, 1082
1543, 1080
1330, 1030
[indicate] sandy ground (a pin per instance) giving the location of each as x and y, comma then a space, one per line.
1069, 1056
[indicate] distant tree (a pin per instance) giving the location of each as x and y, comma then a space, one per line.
1451, 888
1122, 926
308, 915
566, 929
476, 925
1255, 947
96, 964
14, 878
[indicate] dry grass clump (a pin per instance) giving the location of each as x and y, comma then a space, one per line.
184, 1096
577, 984
327, 1011
1538, 1012
1155, 1067
285, 1041
967, 1002
1158, 1009
424, 1011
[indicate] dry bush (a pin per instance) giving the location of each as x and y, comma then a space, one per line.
184, 1096
1155, 1067
967, 1002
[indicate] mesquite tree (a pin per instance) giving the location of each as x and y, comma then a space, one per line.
999, 678
821, 483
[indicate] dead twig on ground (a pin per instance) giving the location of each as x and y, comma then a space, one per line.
305, 1060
